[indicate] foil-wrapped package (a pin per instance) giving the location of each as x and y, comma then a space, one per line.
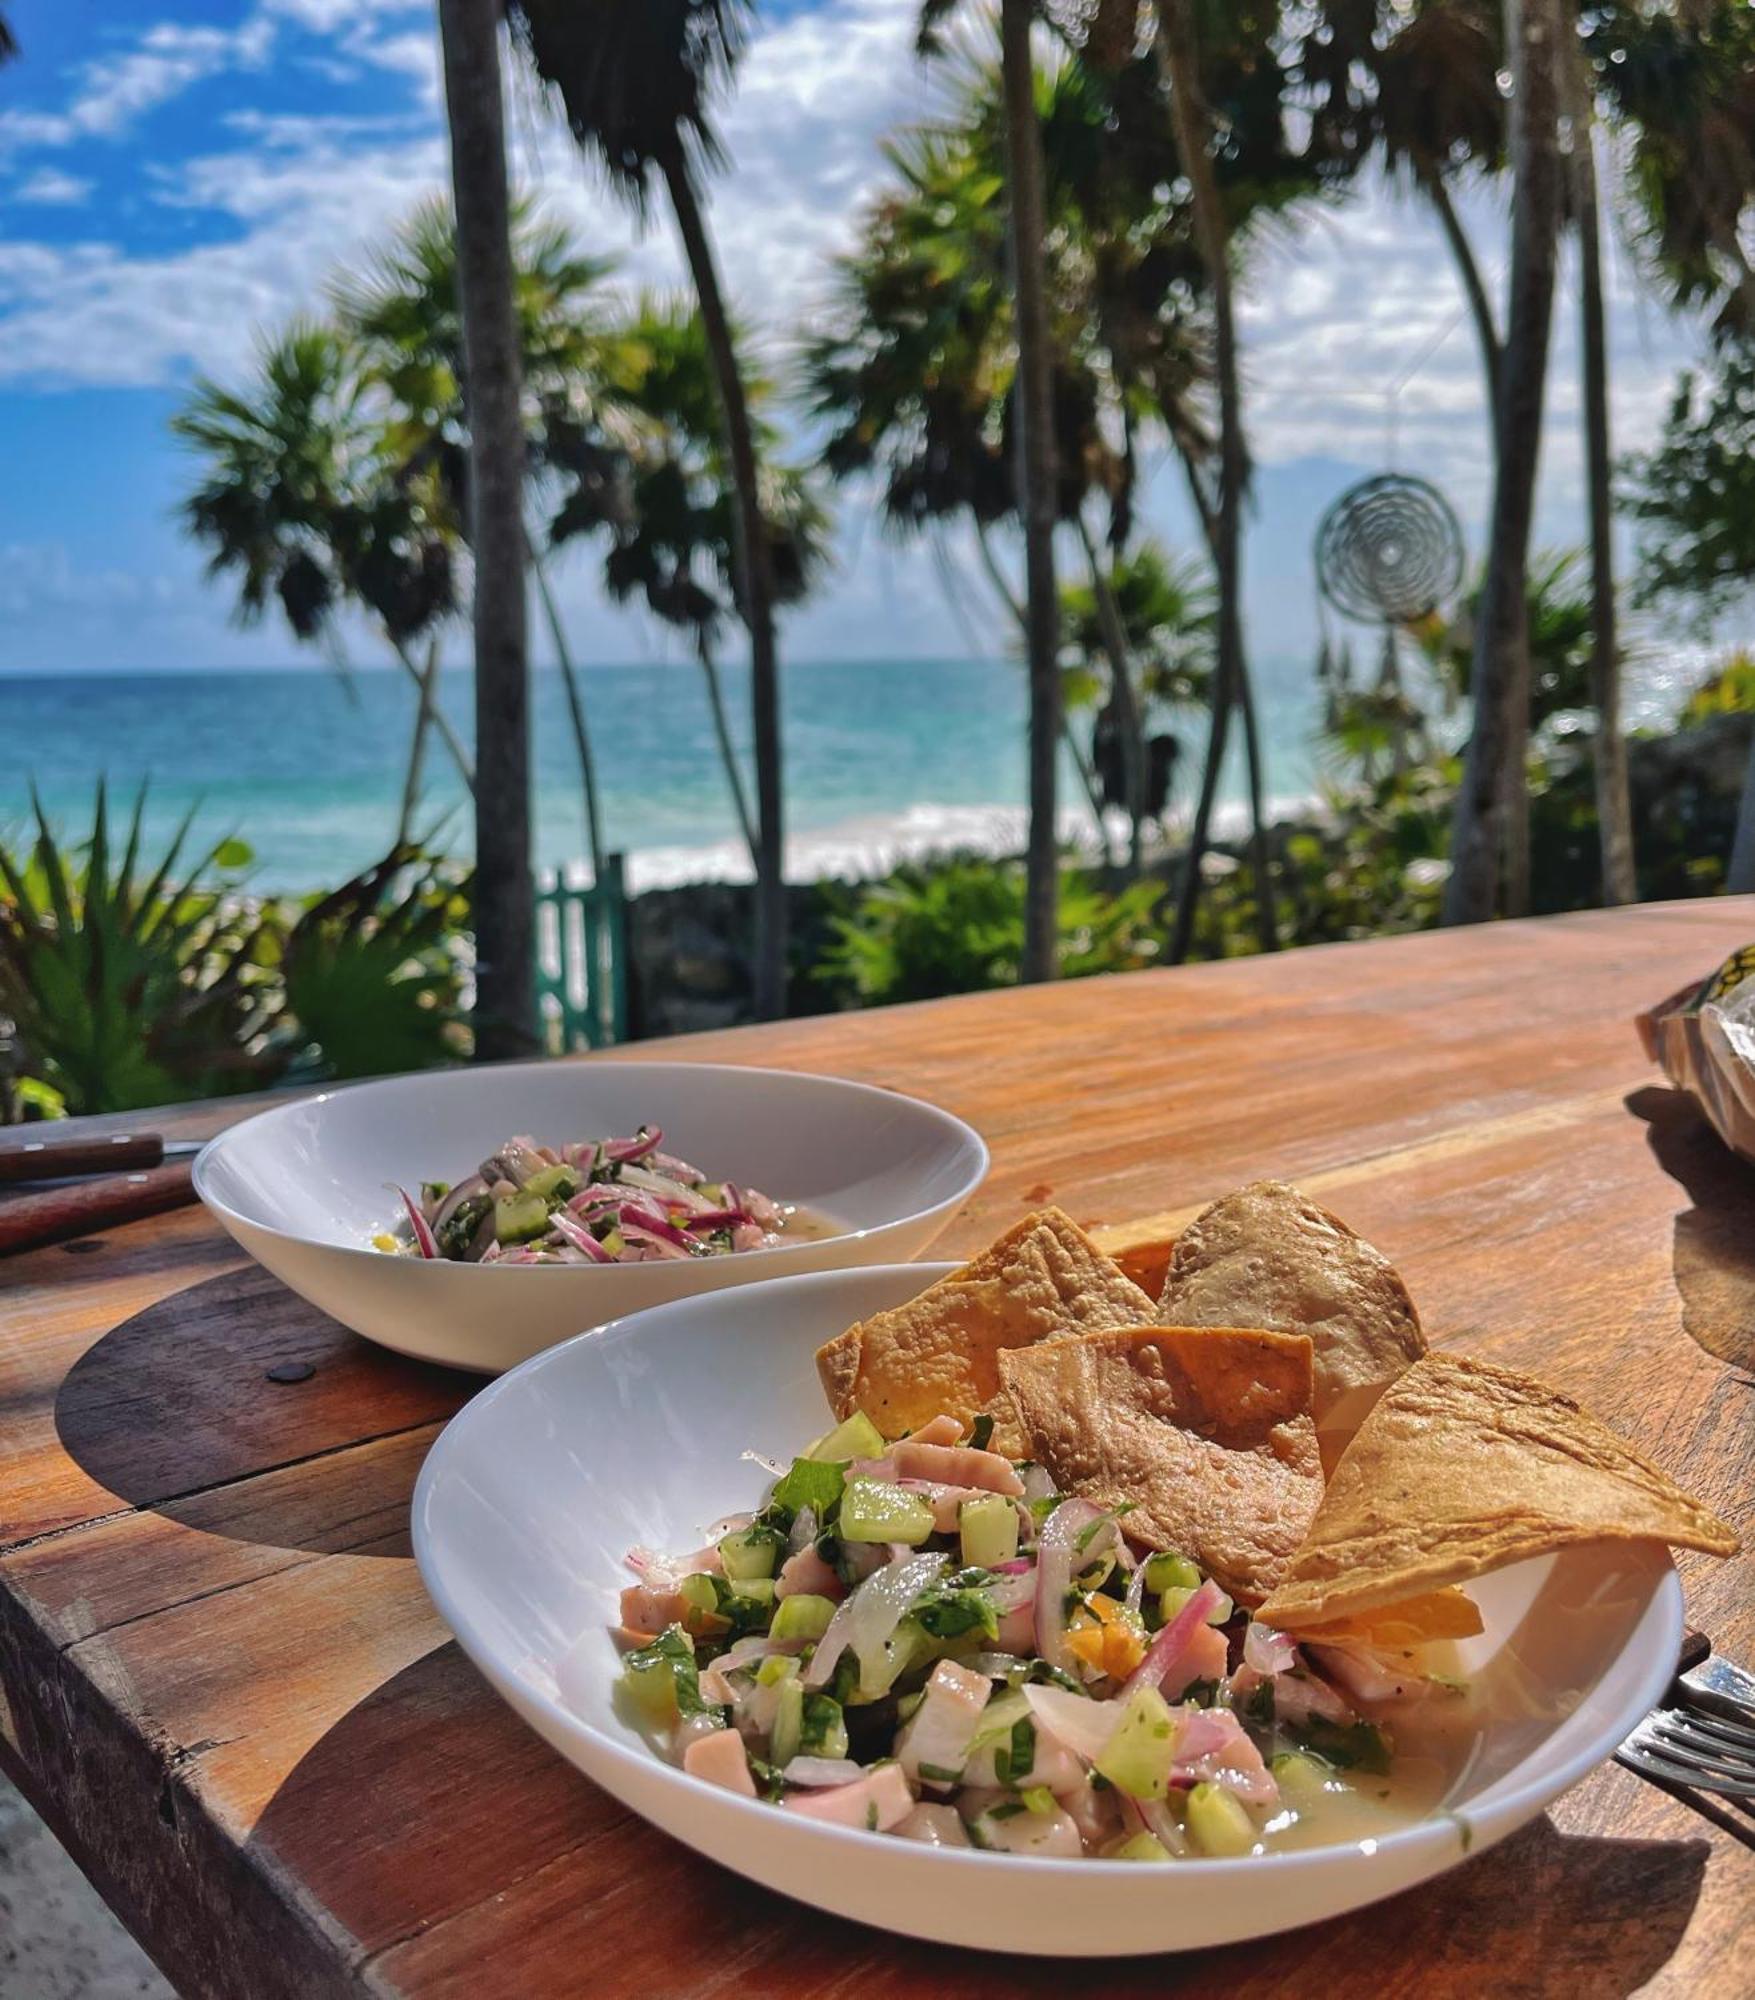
1704, 1036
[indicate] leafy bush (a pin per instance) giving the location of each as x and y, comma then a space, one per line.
1728, 690
956, 925
124, 986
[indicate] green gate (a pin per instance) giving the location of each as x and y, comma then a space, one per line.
582, 961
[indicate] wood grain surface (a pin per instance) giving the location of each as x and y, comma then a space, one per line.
222, 1683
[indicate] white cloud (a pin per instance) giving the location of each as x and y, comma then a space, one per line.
49, 188
114, 91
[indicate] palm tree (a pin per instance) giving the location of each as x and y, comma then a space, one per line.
1191, 118
673, 533
302, 501
1033, 410
636, 84
1614, 792
403, 311
8, 41
1494, 778
504, 890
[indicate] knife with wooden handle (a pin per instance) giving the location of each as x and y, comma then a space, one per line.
48, 1155
82, 1208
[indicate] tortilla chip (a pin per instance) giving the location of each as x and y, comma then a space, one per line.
1205, 1430
939, 1353
1462, 1468
1416, 1621
1270, 1256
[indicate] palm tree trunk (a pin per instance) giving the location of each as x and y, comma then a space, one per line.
1613, 785
1126, 698
1034, 411
727, 749
504, 891
1469, 272
1740, 874
1497, 753
576, 713
1074, 749
755, 589
1179, 57
436, 715
417, 747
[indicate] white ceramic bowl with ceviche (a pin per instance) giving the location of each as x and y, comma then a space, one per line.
475, 1217
968, 1711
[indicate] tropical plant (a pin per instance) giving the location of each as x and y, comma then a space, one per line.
504, 887
957, 924
402, 309
1728, 690
370, 980
300, 499
126, 982
1493, 795
1167, 617
636, 84
1560, 620
1693, 494
672, 533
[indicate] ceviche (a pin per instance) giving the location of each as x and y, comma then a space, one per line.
1082, 1572
594, 1201
926, 1639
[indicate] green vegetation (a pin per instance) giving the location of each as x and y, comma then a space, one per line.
127, 982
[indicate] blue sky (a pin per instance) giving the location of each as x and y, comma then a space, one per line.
176, 174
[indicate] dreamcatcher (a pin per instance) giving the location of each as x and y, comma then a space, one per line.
1388, 553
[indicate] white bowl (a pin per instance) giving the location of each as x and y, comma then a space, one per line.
530, 1498
304, 1186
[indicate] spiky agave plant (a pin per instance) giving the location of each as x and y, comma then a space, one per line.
128, 986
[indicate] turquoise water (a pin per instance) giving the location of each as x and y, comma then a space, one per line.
881, 758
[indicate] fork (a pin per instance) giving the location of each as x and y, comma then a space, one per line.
1706, 1738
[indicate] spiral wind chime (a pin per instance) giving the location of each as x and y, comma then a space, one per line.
1389, 552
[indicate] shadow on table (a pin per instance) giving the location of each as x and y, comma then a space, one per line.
1714, 1248
180, 1399
429, 1823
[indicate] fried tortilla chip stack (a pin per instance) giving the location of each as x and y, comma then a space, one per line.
1291, 1350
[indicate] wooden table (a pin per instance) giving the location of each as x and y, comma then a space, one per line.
222, 1684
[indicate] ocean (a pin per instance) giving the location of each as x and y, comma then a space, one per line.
884, 759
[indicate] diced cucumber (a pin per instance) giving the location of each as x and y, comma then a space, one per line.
858, 1437
988, 1529
520, 1217
1138, 1755
749, 1552
1141, 1847
650, 1688
1218, 1823
1304, 1781
555, 1184
1172, 1600
874, 1511
777, 1667
788, 1730
823, 1729
461, 1227
433, 1192
751, 1589
906, 1647
1167, 1571
802, 1616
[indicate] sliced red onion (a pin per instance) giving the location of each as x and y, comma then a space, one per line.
1268, 1651
1171, 1643
867, 1620
1084, 1726
582, 1240
599, 1196
1212, 1747
425, 1241
1057, 1557
1038, 1483
633, 1215
814, 1772
1011, 1591
1153, 1816
717, 1218
1136, 1589
619, 1151
1016, 1567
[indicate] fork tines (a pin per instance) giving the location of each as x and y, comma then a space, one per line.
1681, 1746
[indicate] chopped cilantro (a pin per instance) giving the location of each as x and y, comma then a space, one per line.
670, 1657
1008, 1810
1043, 1675
1088, 1535
958, 1605
1013, 1759
871, 1817
810, 1483
1356, 1746
1256, 1709
940, 1774
982, 1431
